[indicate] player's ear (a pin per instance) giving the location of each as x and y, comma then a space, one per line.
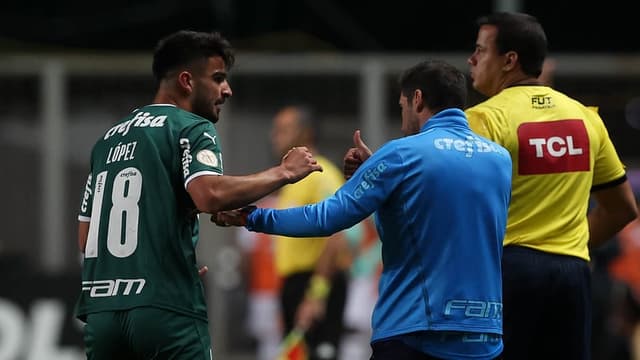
185, 81
418, 100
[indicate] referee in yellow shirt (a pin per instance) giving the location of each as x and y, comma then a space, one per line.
562, 155
313, 270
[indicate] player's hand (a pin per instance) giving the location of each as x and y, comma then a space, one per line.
298, 163
355, 156
237, 217
203, 270
228, 218
309, 311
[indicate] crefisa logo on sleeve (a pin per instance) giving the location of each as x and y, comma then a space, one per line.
186, 156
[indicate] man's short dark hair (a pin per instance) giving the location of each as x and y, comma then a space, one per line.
521, 33
442, 84
184, 47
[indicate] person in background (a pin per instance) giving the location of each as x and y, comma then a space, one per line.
362, 289
150, 175
440, 196
624, 276
562, 155
264, 319
313, 270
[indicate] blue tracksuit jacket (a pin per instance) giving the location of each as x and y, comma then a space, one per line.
441, 199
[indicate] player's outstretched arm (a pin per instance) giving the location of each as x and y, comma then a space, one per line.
214, 193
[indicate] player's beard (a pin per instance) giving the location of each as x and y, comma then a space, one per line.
204, 107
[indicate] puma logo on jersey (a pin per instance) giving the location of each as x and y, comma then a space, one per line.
553, 147
213, 138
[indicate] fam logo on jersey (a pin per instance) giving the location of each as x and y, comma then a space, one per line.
114, 287
474, 308
553, 147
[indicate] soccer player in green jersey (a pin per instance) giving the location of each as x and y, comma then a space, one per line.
150, 175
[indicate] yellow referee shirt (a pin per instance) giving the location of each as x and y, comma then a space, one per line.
301, 254
560, 150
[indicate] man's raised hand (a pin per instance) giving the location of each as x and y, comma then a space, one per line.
355, 156
298, 163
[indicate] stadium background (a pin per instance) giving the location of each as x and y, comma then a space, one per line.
68, 70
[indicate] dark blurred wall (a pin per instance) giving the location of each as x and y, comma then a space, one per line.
283, 25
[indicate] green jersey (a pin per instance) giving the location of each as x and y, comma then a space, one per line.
143, 224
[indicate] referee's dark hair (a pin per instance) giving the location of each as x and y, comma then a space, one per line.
521, 33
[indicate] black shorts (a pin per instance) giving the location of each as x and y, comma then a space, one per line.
395, 349
547, 305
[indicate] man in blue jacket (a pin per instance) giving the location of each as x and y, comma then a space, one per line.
440, 196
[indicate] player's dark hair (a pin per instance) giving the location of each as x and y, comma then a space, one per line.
521, 33
442, 84
184, 47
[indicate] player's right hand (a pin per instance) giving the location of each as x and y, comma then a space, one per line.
355, 156
237, 217
298, 163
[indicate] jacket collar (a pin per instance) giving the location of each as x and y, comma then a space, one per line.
446, 118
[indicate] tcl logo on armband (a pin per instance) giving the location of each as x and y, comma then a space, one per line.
553, 147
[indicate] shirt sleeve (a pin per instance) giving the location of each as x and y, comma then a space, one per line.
364, 193
485, 121
200, 151
607, 165
478, 122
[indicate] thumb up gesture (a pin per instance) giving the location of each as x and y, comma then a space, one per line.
355, 156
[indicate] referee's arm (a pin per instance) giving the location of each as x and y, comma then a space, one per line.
615, 207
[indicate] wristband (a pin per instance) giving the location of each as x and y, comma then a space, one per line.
319, 288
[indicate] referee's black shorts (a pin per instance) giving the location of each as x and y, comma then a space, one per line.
547, 305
